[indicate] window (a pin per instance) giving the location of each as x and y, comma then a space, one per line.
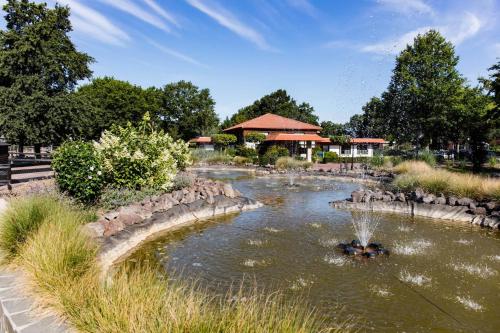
362, 149
345, 150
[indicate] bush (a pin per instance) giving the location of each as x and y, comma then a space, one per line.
243, 151
272, 154
315, 156
330, 157
288, 163
377, 161
113, 197
395, 160
137, 157
78, 170
211, 156
224, 140
240, 160
492, 162
255, 137
428, 157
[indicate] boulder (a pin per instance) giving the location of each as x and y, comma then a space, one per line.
357, 196
113, 227
378, 195
428, 198
441, 200
492, 222
452, 201
392, 195
464, 201
479, 211
367, 197
386, 198
228, 191
400, 197
477, 220
492, 205
417, 195
129, 218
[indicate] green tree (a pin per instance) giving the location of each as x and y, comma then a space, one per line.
224, 140
425, 91
39, 67
278, 102
330, 128
255, 137
187, 111
116, 102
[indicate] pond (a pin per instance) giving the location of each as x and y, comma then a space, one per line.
439, 277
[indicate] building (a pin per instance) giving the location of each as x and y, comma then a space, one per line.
299, 137
202, 142
358, 147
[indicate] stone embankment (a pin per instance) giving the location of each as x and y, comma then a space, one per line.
419, 203
121, 231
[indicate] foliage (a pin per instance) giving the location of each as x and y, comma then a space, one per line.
413, 174
201, 156
141, 157
240, 160
255, 137
396, 160
315, 156
492, 162
289, 163
113, 197
116, 102
79, 170
341, 139
272, 154
278, 102
186, 111
329, 128
248, 152
371, 123
224, 140
428, 157
330, 157
39, 67
377, 160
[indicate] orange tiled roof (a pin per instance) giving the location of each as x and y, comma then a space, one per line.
273, 121
367, 140
295, 137
201, 139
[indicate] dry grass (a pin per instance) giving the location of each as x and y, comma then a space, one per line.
289, 163
413, 174
60, 261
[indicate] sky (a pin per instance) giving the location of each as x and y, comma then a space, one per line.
333, 54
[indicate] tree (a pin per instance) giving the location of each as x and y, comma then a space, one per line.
224, 140
278, 102
39, 67
356, 127
255, 137
329, 128
187, 111
425, 91
116, 102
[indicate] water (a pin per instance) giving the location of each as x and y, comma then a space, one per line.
364, 225
440, 276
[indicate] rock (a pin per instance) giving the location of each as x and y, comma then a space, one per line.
113, 227
417, 195
479, 210
452, 201
357, 196
377, 195
428, 198
491, 222
386, 198
400, 197
188, 197
228, 191
441, 200
492, 205
110, 215
392, 195
477, 220
472, 205
129, 218
464, 201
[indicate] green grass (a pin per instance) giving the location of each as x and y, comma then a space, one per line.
62, 270
289, 163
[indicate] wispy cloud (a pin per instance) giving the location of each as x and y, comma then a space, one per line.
229, 21
93, 24
304, 6
175, 54
162, 12
137, 11
407, 6
461, 29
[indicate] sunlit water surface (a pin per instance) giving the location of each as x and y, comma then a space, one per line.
440, 276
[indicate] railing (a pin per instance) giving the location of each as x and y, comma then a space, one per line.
345, 152
362, 151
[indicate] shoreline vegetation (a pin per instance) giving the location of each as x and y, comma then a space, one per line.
43, 236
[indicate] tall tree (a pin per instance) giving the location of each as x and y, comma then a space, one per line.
425, 91
39, 66
330, 128
278, 102
187, 111
116, 102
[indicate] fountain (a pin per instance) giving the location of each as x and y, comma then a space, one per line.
364, 224
291, 179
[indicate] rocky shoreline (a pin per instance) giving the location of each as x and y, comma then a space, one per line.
121, 231
419, 203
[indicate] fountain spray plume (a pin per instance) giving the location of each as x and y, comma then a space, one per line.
365, 224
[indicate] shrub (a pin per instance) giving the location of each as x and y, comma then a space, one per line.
492, 162
211, 156
183, 180
113, 197
272, 154
288, 163
246, 152
377, 160
315, 156
428, 157
395, 160
240, 160
78, 170
22, 218
137, 157
255, 137
330, 157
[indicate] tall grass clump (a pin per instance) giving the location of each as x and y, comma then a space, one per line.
289, 163
413, 174
22, 218
201, 156
428, 157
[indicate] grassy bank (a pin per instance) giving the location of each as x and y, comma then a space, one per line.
413, 174
290, 163
43, 236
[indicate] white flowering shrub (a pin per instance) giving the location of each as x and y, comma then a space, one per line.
78, 170
140, 157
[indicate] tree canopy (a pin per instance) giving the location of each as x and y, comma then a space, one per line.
329, 128
187, 111
39, 67
278, 102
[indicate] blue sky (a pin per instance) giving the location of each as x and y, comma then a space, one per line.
333, 54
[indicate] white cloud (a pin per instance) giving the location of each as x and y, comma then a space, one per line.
407, 6
90, 22
229, 21
305, 6
457, 31
137, 11
175, 54
162, 12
